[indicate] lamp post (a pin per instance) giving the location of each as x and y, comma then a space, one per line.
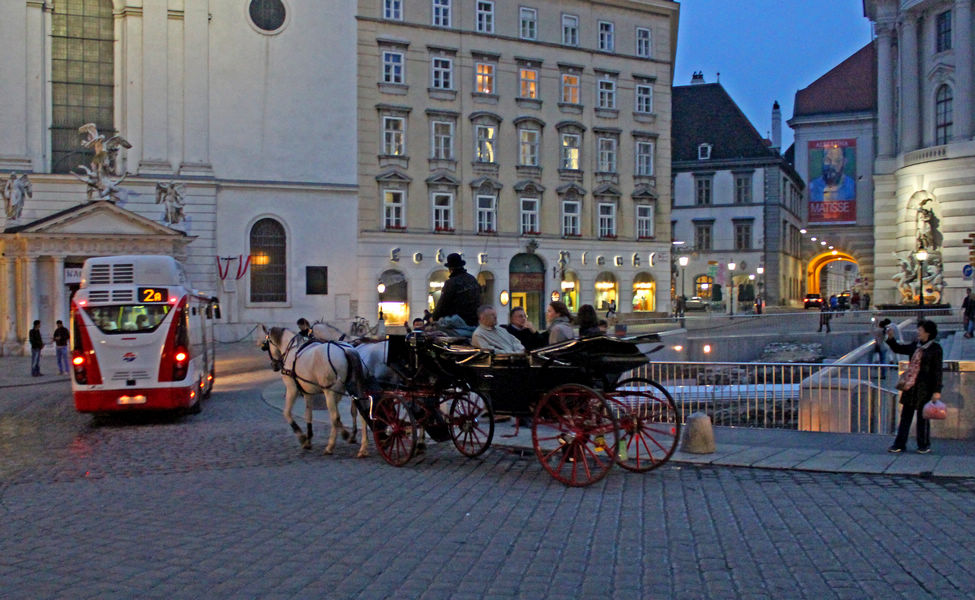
682, 261
921, 255
761, 286
731, 287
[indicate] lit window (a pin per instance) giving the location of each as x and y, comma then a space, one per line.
393, 207
394, 143
570, 88
484, 78
268, 277
569, 155
485, 143
529, 83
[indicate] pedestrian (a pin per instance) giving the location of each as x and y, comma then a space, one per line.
879, 346
919, 384
61, 337
611, 312
36, 345
824, 317
865, 301
968, 312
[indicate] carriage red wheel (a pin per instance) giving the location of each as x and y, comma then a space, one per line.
649, 423
393, 428
471, 421
575, 435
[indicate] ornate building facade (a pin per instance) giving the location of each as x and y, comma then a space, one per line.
533, 138
924, 171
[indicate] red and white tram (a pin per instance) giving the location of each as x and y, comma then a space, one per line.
142, 338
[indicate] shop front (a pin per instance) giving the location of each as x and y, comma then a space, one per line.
526, 280
607, 291
644, 293
393, 304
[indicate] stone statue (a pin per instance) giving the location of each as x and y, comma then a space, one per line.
105, 150
101, 187
927, 226
14, 191
170, 195
926, 278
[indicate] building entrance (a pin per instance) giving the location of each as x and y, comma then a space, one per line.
526, 277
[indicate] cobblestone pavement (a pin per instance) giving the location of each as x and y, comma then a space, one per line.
224, 504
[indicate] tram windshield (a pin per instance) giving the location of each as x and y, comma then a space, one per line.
128, 318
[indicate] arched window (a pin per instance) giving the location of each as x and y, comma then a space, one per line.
269, 266
703, 285
393, 297
644, 292
943, 115
82, 77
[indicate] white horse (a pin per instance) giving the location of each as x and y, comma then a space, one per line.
307, 370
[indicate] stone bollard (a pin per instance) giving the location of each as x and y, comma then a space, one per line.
698, 435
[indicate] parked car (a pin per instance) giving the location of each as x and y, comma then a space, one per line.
696, 303
812, 301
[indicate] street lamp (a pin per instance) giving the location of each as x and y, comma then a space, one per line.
921, 255
682, 261
731, 286
761, 286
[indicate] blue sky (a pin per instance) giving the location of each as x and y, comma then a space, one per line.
767, 50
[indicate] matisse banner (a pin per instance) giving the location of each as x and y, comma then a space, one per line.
832, 181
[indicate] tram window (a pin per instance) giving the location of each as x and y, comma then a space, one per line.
128, 318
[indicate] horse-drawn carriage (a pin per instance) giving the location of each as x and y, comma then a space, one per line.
583, 416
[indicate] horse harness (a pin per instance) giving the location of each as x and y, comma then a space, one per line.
353, 372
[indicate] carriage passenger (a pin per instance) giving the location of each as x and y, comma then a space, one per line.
489, 336
557, 316
520, 327
588, 322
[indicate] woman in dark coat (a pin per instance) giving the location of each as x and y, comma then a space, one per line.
588, 322
922, 383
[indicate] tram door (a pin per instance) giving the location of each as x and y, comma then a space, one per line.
527, 282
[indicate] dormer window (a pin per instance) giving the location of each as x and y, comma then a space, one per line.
704, 151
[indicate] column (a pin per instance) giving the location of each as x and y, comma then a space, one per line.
885, 90
910, 113
962, 14
9, 299
58, 295
196, 94
29, 296
155, 75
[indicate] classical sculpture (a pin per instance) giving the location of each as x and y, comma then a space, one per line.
916, 278
15, 190
100, 185
170, 195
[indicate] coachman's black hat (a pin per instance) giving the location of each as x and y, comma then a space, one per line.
454, 261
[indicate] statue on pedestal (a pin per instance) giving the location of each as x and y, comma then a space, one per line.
170, 195
15, 190
103, 163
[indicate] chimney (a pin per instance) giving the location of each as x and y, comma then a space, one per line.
697, 78
776, 126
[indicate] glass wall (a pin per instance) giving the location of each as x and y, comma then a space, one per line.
644, 292
570, 290
607, 291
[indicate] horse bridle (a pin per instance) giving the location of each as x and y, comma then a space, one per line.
276, 363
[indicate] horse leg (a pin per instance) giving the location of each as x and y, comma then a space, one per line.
289, 402
364, 445
335, 418
308, 423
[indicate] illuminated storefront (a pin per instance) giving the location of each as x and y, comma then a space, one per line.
570, 290
435, 287
607, 291
526, 275
644, 292
486, 279
703, 285
392, 297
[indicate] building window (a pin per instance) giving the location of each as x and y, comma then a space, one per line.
485, 136
569, 154
441, 13
485, 16
528, 23
607, 36
392, 67
644, 158
528, 144
570, 218
394, 202
743, 235
266, 15
394, 136
268, 243
644, 221
703, 192
529, 216
487, 214
703, 151
570, 88
943, 36
442, 146
943, 115
743, 188
393, 9
442, 76
644, 98
702, 236
443, 212
703, 285
607, 220
607, 155
529, 83
607, 94
82, 78
570, 30
644, 48
484, 78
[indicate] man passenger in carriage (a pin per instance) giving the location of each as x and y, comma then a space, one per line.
520, 327
489, 336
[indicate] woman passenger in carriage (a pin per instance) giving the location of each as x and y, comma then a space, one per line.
489, 336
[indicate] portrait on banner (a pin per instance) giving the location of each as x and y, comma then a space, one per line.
832, 181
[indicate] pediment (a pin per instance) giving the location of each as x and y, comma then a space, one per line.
101, 217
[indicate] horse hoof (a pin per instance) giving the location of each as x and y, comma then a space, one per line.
306, 445
327, 452
303, 440
362, 455
352, 439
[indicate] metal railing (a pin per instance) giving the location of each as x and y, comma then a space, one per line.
843, 398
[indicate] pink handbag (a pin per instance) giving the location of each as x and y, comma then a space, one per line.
935, 409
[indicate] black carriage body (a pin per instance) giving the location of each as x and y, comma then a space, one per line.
513, 383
